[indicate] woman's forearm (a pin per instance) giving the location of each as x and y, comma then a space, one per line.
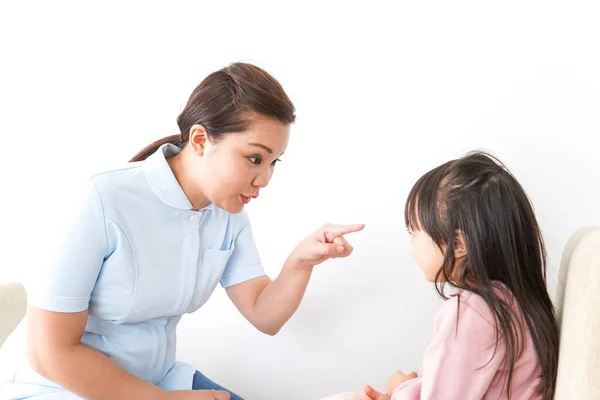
91, 375
280, 299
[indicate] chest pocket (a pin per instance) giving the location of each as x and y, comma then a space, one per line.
209, 273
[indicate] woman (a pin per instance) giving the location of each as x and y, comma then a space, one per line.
152, 240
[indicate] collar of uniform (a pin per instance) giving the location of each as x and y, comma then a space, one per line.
163, 181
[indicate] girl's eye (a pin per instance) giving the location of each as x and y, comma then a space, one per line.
276, 161
255, 160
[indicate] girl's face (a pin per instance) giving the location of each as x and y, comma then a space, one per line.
430, 256
427, 254
232, 171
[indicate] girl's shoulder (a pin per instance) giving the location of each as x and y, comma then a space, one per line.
467, 302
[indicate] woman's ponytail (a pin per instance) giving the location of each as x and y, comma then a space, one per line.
151, 148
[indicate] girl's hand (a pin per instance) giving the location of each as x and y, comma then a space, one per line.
396, 380
327, 242
374, 394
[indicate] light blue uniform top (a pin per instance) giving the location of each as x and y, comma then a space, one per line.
137, 257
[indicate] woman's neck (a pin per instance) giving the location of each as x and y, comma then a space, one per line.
180, 165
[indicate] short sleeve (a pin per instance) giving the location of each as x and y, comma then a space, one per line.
244, 263
66, 280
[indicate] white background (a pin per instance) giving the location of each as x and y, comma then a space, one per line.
384, 92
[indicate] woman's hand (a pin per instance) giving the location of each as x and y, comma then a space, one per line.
323, 244
198, 395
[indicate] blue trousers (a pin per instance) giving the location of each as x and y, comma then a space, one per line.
201, 382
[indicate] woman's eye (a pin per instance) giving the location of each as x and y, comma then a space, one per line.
256, 160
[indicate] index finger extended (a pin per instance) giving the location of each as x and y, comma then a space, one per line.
339, 230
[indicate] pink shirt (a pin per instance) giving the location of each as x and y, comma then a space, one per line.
454, 365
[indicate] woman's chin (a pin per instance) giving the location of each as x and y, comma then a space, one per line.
231, 207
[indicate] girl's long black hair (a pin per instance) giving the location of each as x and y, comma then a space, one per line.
478, 196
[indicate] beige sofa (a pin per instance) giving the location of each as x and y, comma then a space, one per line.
578, 310
13, 302
577, 302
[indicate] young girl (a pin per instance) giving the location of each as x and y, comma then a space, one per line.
472, 226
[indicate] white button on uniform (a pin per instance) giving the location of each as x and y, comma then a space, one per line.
194, 218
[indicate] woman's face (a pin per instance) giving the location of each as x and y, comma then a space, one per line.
237, 166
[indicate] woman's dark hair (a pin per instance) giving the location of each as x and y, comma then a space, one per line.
478, 196
227, 101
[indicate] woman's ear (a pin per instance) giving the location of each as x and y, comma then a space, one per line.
198, 139
460, 248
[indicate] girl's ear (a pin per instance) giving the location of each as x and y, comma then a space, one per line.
460, 249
